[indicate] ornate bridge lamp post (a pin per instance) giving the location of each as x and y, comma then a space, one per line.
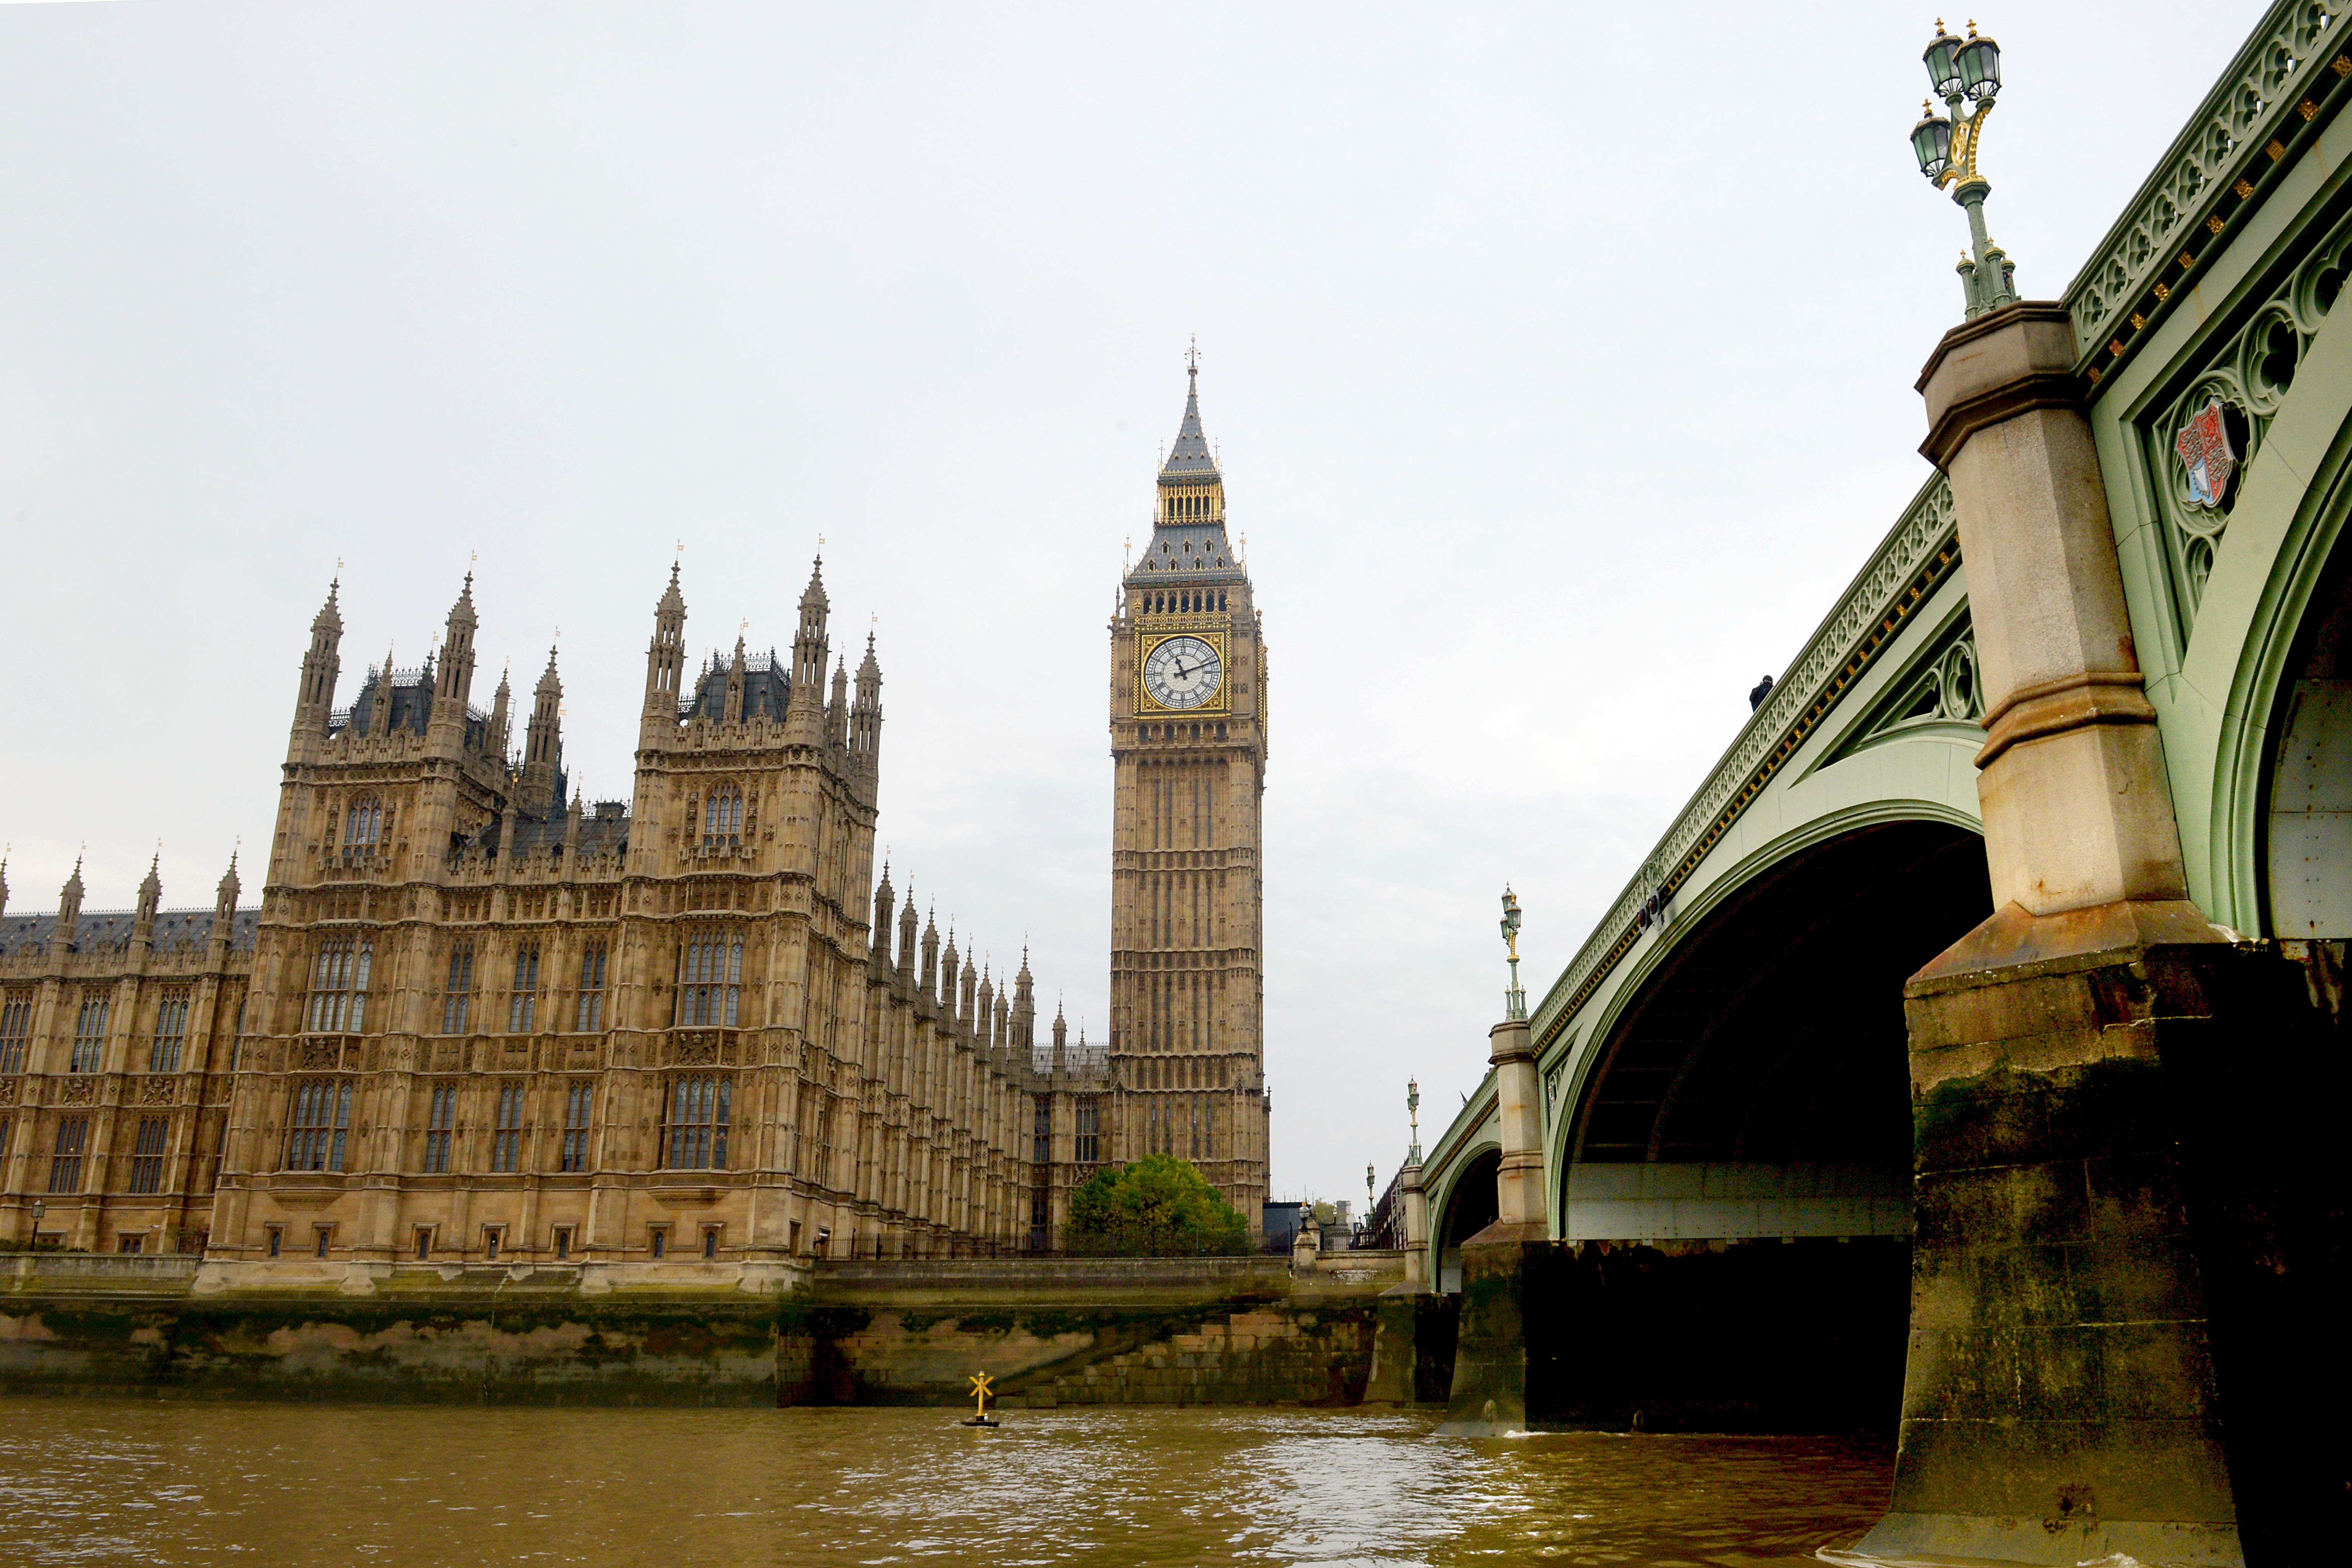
1416, 1203
1515, 1001
1964, 71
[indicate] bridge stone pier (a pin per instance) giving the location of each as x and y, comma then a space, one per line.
1965, 1064
2069, 1056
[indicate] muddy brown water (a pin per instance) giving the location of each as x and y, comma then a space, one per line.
106, 1481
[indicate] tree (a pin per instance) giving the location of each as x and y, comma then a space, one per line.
1159, 1206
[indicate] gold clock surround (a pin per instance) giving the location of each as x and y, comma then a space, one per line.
1147, 641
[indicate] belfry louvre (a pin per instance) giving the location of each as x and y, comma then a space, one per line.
477, 1019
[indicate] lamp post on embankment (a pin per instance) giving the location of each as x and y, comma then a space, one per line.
2101, 1354
1490, 1358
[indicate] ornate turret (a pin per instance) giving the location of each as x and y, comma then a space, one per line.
68, 912
1061, 1040
455, 684
906, 941
151, 898
666, 659
3, 884
1024, 1009
225, 898
984, 1013
314, 705
731, 711
542, 752
929, 989
495, 744
836, 712
884, 898
965, 1015
808, 641
948, 975
865, 718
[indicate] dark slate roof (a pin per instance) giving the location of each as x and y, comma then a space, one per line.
1181, 554
102, 930
1190, 460
412, 701
596, 832
767, 687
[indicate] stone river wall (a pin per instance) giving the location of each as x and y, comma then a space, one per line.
1248, 1330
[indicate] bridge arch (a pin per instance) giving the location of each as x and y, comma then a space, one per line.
1466, 1206
1732, 1166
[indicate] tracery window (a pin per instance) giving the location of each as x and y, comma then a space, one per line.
522, 1004
321, 1121
506, 1137
147, 1155
589, 1019
362, 828
439, 1121
1089, 1130
171, 1031
1041, 1133
15, 1030
339, 983
722, 818
65, 1162
711, 981
89, 1036
458, 991
694, 1130
578, 1105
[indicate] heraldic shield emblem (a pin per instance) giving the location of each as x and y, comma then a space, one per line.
2204, 445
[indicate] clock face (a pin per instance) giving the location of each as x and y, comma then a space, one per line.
1182, 672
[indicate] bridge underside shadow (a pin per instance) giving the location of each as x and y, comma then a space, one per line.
1737, 1184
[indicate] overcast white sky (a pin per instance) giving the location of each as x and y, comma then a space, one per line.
1559, 357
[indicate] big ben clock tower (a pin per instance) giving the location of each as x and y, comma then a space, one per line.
1188, 738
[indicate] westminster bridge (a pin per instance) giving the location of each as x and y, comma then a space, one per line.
1964, 1061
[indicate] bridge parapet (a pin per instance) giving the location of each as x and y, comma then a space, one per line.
2221, 165
1915, 558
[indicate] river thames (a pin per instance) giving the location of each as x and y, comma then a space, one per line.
107, 1481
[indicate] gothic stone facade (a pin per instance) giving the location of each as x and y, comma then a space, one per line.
1188, 727
472, 1021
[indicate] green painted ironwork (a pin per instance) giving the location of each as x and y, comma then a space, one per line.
2282, 85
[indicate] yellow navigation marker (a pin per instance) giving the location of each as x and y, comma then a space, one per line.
983, 1391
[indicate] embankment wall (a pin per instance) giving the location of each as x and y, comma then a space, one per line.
1217, 1330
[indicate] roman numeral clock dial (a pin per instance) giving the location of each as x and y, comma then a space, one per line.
1182, 672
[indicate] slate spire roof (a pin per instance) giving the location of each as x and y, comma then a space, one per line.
1190, 460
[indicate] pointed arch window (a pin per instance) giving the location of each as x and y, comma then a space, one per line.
89, 1036
316, 1133
459, 990
522, 1001
694, 1132
362, 828
339, 985
711, 981
722, 818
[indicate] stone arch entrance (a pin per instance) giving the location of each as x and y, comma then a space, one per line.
1735, 1178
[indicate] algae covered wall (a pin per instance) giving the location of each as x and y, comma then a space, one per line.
1238, 1331
1217, 1330
1277, 1353
436, 1341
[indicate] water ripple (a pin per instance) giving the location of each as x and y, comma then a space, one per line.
95, 1481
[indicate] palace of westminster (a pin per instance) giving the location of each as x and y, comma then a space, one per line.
475, 1018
